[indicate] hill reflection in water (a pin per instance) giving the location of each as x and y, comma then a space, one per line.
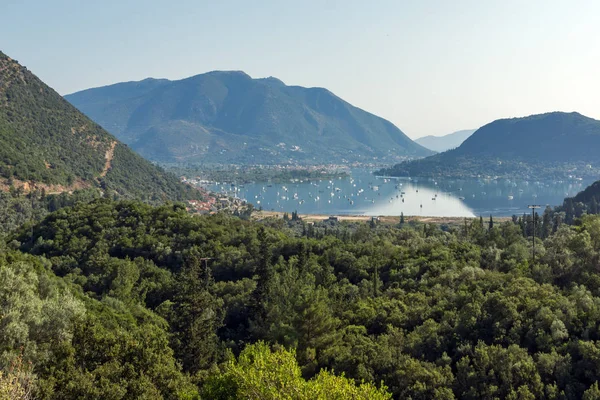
364, 194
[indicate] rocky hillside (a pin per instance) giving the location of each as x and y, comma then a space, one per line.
47, 143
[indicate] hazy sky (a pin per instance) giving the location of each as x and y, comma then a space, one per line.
431, 67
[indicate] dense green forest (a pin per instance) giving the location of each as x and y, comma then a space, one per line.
123, 300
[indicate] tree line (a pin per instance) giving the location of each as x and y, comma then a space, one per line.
123, 299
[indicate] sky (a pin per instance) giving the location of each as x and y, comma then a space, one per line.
430, 67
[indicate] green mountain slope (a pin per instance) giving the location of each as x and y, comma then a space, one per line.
553, 145
230, 117
585, 202
47, 143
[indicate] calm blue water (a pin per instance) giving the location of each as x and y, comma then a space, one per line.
364, 194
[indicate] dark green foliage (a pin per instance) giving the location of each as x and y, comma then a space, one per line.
17, 209
433, 314
585, 201
46, 141
550, 146
195, 314
226, 116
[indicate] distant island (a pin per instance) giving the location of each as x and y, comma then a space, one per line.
228, 117
555, 145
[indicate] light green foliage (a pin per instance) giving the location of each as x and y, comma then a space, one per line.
593, 393
260, 373
37, 315
79, 348
16, 381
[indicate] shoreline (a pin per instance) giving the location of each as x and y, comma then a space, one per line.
389, 219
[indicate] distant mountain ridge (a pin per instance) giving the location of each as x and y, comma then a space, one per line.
46, 143
445, 142
555, 144
226, 116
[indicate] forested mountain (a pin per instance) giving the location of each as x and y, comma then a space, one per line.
46, 143
446, 142
552, 145
585, 202
226, 116
117, 300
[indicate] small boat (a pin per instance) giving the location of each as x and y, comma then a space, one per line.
510, 197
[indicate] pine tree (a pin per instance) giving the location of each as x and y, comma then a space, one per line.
491, 223
547, 223
593, 206
317, 329
311, 231
196, 315
559, 218
264, 276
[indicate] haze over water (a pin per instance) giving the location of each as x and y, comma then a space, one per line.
364, 194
